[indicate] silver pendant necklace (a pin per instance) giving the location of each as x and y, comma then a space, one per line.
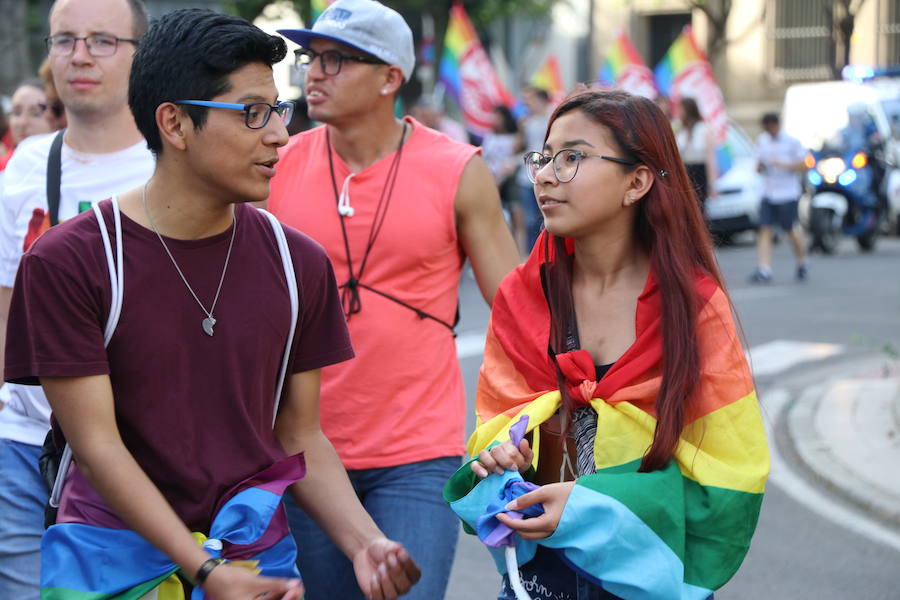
210, 321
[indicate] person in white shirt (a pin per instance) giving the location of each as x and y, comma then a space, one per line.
698, 149
90, 50
780, 160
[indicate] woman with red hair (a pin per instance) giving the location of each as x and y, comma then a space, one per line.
645, 445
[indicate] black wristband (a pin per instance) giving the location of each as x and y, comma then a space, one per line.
205, 569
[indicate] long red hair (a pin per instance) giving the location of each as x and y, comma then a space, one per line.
671, 229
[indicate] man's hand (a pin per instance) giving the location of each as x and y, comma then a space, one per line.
553, 496
503, 457
227, 582
384, 570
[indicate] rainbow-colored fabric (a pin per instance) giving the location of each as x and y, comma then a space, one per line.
683, 54
468, 75
685, 71
679, 532
624, 68
548, 78
317, 7
90, 561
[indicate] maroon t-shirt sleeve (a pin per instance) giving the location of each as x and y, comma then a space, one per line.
55, 326
321, 338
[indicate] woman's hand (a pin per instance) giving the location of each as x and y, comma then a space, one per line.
503, 457
385, 570
553, 496
227, 582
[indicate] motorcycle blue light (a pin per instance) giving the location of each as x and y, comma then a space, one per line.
814, 178
847, 177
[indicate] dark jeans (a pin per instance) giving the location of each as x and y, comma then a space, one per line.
406, 503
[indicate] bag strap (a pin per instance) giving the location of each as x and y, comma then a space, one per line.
116, 280
54, 177
291, 279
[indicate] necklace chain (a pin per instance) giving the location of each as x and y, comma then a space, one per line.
209, 313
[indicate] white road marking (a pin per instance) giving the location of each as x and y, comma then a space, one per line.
469, 344
800, 490
779, 355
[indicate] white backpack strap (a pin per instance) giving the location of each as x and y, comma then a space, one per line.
116, 279
291, 279
115, 266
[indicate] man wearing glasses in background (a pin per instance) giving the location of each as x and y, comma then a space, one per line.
90, 49
207, 386
398, 207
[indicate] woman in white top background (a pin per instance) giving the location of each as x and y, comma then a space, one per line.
698, 149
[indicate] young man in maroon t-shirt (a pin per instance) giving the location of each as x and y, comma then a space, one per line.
178, 406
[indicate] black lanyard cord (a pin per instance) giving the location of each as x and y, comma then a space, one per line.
350, 297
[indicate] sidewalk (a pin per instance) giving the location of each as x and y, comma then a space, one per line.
846, 434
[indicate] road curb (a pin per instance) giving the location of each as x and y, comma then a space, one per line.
816, 456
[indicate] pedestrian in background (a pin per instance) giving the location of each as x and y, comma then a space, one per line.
502, 149
90, 49
431, 114
57, 110
28, 115
398, 206
616, 338
697, 145
780, 161
533, 127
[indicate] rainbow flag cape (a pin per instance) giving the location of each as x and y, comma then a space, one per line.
679, 532
100, 561
624, 68
548, 78
685, 72
468, 76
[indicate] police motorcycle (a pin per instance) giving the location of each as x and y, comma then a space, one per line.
844, 198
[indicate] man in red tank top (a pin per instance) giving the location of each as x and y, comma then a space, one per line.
398, 207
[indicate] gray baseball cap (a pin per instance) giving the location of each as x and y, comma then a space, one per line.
366, 25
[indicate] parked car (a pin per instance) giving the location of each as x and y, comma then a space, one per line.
740, 190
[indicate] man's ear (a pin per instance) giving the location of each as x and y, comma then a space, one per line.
641, 181
173, 123
392, 81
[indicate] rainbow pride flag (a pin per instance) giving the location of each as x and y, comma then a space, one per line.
685, 72
549, 79
83, 560
318, 7
467, 74
679, 532
624, 68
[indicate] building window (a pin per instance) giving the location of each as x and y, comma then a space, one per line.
802, 48
889, 33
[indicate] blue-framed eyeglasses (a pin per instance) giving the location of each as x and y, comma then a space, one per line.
565, 163
256, 114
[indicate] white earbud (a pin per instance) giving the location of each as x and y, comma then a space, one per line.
345, 210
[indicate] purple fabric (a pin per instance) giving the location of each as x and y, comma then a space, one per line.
518, 430
490, 530
494, 533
